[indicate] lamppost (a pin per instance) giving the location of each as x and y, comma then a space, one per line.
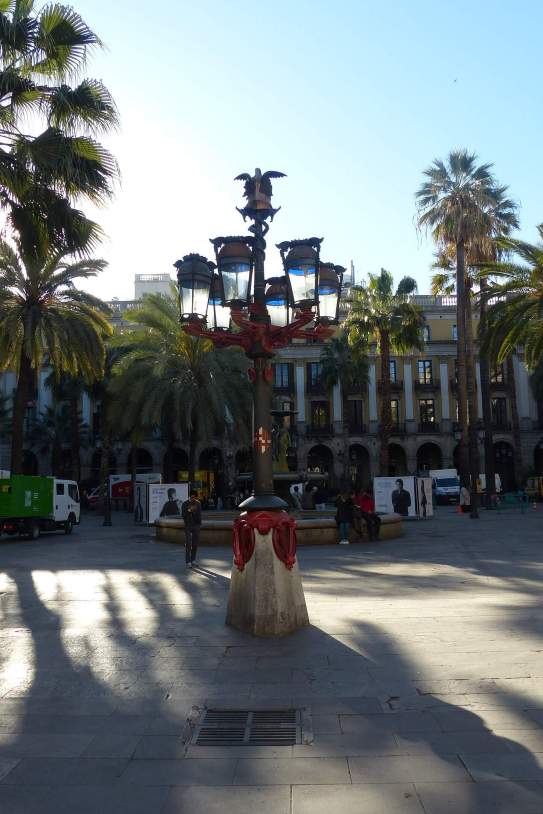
231, 303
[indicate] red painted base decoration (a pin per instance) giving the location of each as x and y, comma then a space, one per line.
284, 536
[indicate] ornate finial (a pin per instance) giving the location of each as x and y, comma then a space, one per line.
258, 192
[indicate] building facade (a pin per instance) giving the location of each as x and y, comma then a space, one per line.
330, 435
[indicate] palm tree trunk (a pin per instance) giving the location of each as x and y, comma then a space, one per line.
517, 441
133, 475
490, 468
104, 467
22, 391
471, 387
75, 438
193, 444
56, 455
463, 457
386, 410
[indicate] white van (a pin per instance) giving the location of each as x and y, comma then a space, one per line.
66, 506
446, 485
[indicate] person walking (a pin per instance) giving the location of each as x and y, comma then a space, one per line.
465, 499
308, 499
344, 516
296, 499
366, 505
192, 516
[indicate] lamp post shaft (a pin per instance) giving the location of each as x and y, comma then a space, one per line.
263, 497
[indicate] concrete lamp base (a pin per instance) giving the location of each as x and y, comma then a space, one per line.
266, 598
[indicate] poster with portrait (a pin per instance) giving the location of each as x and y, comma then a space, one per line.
425, 506
396, 495
166, 499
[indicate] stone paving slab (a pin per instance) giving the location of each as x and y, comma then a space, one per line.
481, 798
408, 769
229, 800
82, 800
306, 771
379, 798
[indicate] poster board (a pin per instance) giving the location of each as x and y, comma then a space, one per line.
166, 499
425, 505
120, 486
141, 503
396, 495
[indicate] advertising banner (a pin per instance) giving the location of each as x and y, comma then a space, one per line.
121, 485
395, 495
166, 499
425, 506
141, 503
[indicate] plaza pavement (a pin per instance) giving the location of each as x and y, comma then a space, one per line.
422, 669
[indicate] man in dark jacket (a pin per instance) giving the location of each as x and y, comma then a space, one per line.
401, 499
192, 516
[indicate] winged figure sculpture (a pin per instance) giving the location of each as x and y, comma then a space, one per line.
258, 188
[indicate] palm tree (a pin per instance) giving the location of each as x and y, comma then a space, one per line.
515, 315
459, 202
178, 381
42, 315
380, 313
50, 433
43, 176
346, 365
70, 390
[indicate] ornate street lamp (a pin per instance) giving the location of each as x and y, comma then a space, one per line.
267, 315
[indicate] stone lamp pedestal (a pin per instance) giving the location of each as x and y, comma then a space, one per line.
266, 594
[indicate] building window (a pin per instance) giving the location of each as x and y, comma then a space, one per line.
314, 374
356, 415
455, 333
499, 412
426, 333
393, 371
319, 415
281, 375
496, 374
427, 411
425, 371
395, 412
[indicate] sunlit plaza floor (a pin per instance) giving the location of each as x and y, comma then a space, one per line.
422, 669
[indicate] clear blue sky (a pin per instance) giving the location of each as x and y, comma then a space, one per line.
352, 99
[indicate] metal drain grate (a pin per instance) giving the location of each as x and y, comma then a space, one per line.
226, 727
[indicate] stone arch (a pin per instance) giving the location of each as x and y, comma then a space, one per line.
175, 460
397, 460
429, 456
504, 460
320, 458
144, 461
359, 466
244, 460
96, 463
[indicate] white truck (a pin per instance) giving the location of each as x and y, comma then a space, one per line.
30, 505
445, 485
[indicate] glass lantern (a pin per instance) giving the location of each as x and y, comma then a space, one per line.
194, 276
234, 261
329, 288
277, 301
218, 314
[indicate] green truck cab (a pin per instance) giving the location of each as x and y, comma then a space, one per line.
30, 505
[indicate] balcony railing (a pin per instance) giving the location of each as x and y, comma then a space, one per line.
428, 426
501, 426
287, 388
319, 432
316, 386
395, 386
398, 428
426, 387
356, 427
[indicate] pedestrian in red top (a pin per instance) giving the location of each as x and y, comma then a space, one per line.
366, 504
